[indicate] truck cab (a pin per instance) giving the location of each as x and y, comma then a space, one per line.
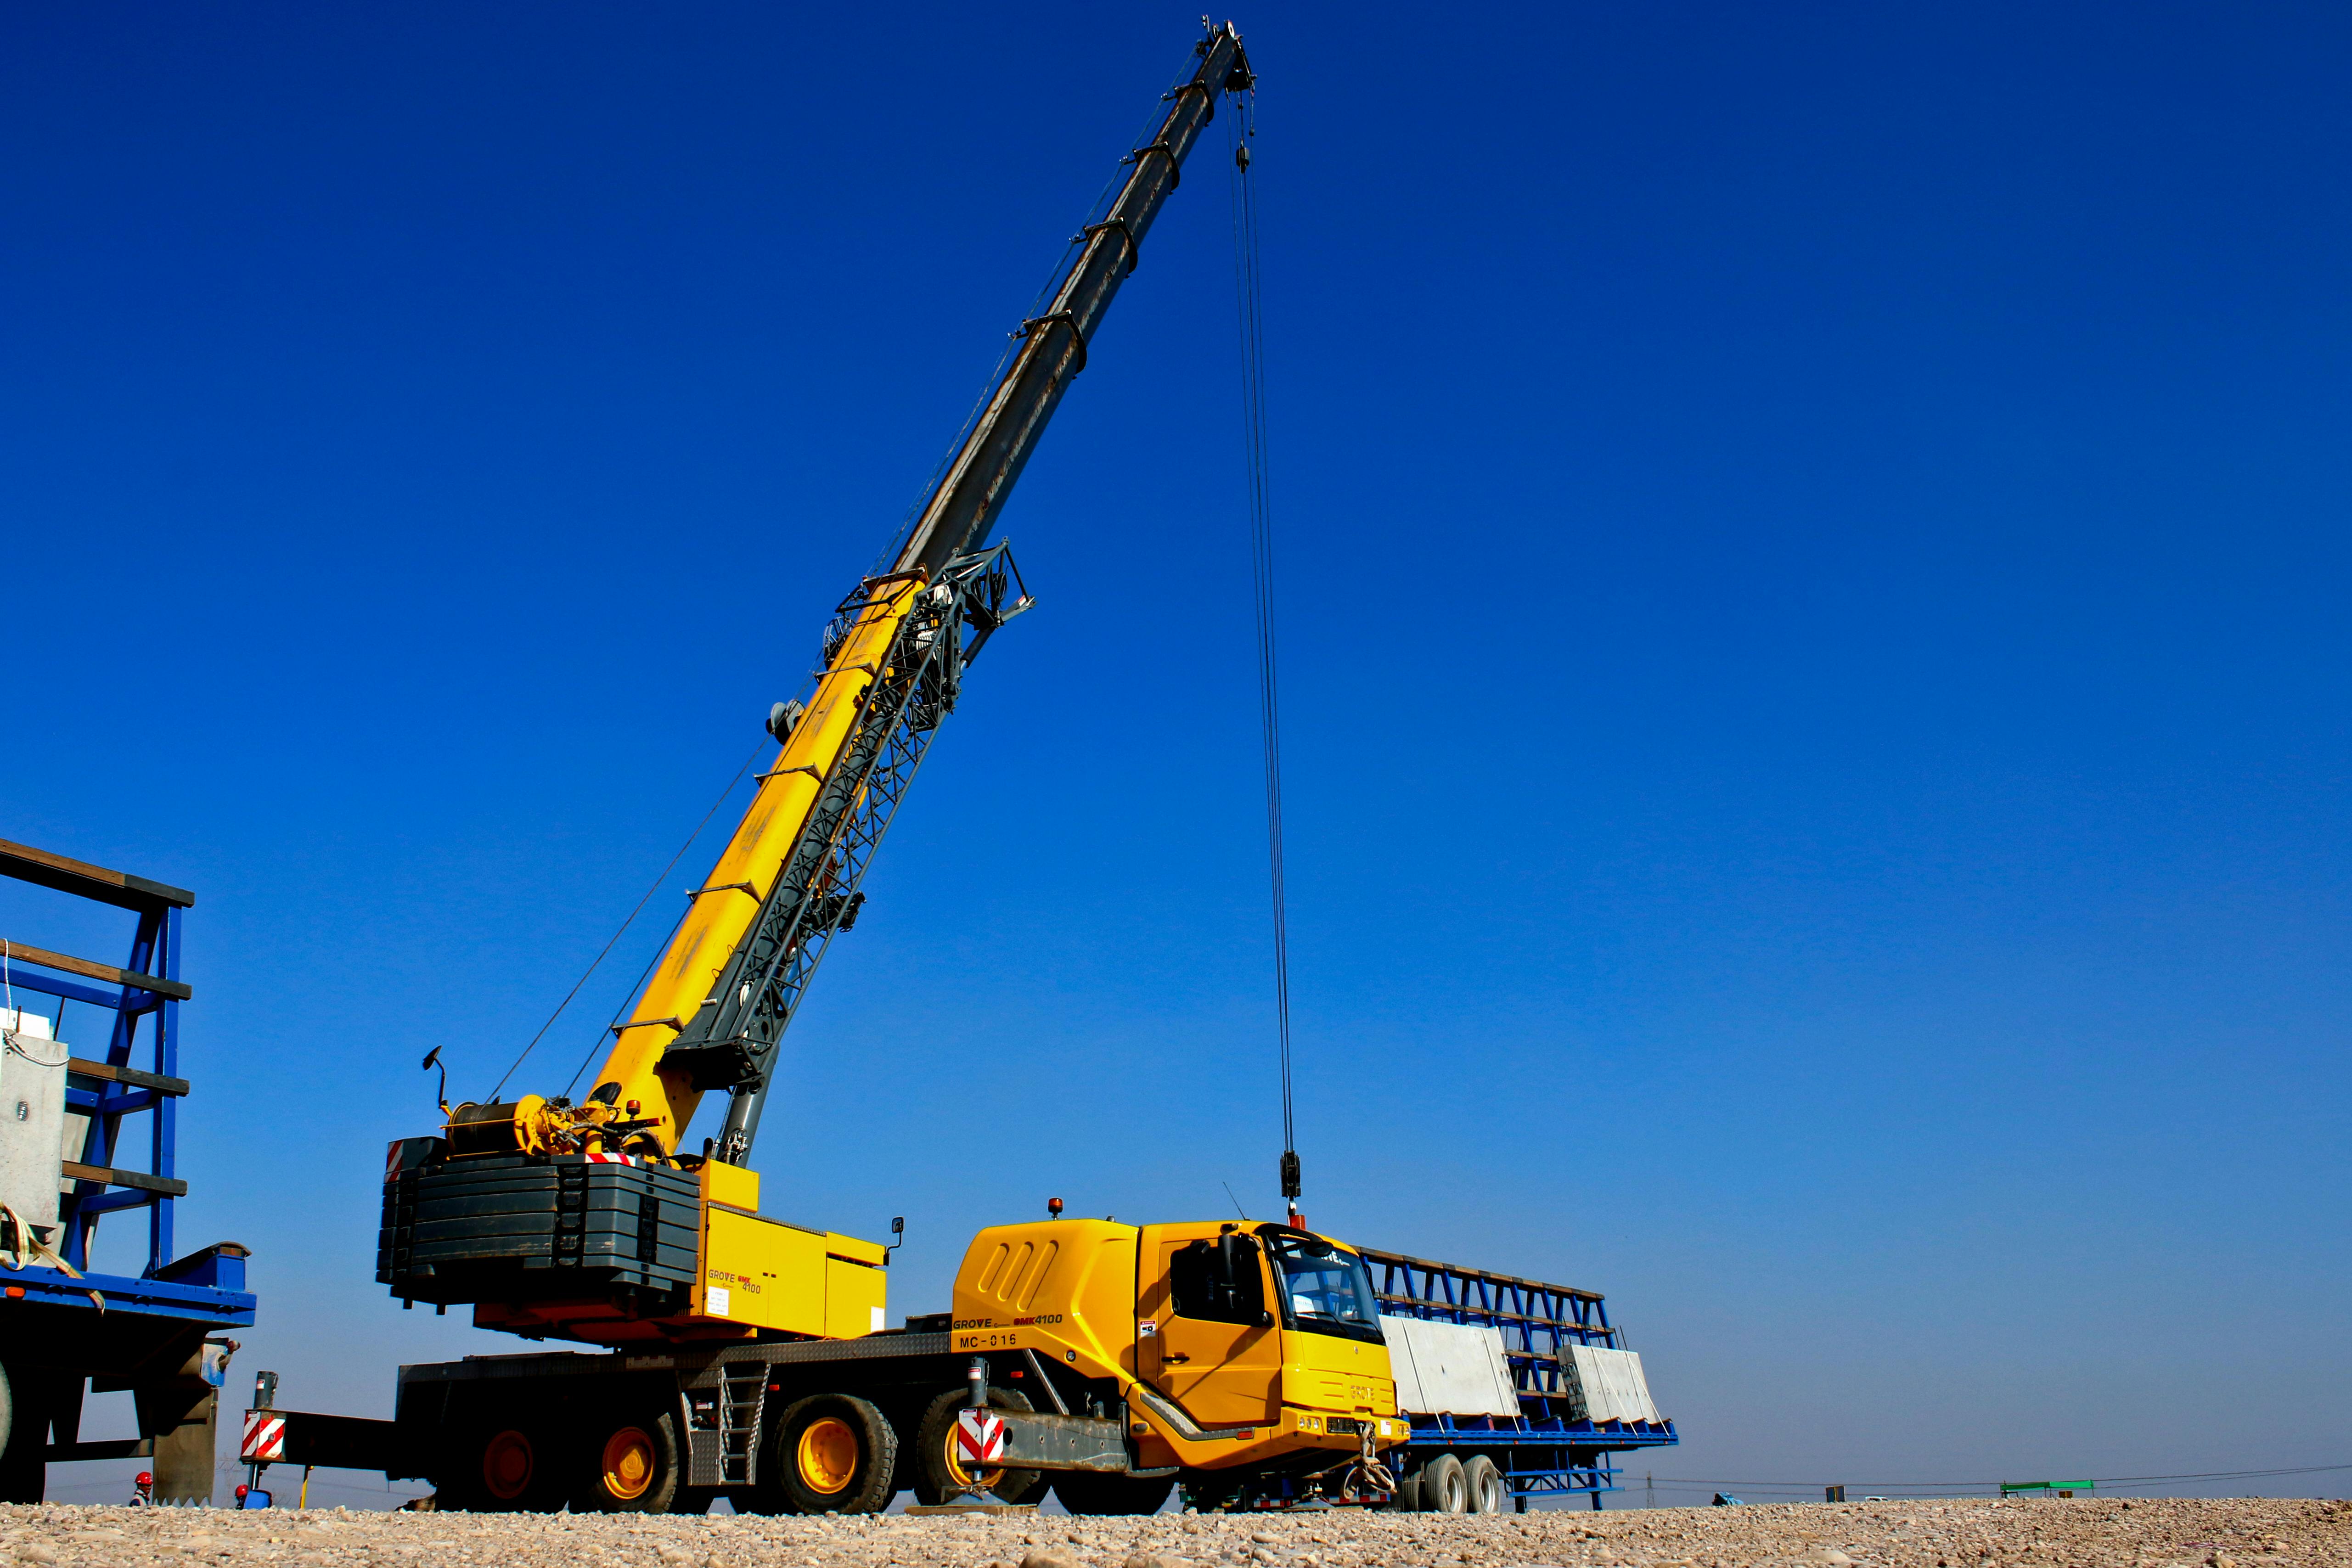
1219, 1345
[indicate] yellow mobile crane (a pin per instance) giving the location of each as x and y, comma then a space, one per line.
750, 1355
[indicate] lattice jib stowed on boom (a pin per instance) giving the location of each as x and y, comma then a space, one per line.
732, 1043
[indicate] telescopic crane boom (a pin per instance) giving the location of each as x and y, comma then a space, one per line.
718, 999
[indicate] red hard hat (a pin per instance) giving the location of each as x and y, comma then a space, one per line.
241, 1489
146, 1478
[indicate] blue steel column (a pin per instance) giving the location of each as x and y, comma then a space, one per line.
167, 1106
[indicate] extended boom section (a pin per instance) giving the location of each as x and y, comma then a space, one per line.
1053, 350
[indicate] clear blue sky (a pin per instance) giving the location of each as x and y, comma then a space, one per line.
1812, 564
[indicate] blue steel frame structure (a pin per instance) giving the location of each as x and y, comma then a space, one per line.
61, 1326
147, 987
1546, 1450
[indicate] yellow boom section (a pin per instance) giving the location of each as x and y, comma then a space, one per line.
730, 896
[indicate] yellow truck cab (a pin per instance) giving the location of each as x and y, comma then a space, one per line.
1220, 1346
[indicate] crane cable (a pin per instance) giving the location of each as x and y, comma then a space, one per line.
1240, 130
597, 962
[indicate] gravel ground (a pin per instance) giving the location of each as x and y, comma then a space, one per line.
2142, 1533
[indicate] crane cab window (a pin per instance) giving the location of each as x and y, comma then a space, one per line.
1218, 1282
1325, 1289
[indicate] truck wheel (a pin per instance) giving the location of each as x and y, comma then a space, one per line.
632, 1466
501, 1469
1443, 1488
831, 1453
1090, 1491
939, 1476
487, 1466
24, 1438
1407, 1499
1481, 1482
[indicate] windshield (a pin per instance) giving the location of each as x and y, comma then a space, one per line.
1325, 1289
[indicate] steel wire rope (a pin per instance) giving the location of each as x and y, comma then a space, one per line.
624, 930
1249, 310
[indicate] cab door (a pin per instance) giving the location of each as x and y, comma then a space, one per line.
1206, 1333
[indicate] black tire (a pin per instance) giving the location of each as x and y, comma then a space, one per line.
830, 1453
628, 1465
1090, 1493
24, 1438
1484, 1491
1443, 1490
509, 1468
1407, 1499
934, 1473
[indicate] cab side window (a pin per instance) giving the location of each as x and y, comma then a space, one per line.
1218, 1282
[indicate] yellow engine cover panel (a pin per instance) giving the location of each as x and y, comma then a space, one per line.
730, 1184
766, 1274
1063, 1287
855, 1291
761, 1273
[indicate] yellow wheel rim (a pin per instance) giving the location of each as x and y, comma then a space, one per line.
506, 1465
828, 1454
628, 1464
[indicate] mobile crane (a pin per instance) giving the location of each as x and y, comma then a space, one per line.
749, 1358
593, 1222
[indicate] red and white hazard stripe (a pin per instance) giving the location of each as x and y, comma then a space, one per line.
265, 1438
979, 1436
609, 1159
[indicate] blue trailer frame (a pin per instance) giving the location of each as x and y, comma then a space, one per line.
144, 1333
1546, 1450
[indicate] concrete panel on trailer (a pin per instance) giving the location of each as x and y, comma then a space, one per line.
32, 1118
1449, 1369
1607, 1385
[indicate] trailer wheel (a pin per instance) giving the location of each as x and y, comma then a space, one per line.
940, 1477
1443, 1488
1482, 1484
632, 1466
1407, 1497
831, 1453
1091, 1492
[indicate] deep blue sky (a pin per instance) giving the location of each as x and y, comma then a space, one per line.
1812, 573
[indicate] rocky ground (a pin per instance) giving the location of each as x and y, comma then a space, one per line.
2141, 1533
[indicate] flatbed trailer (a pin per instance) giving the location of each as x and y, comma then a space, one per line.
1555, 1410
65, 1329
